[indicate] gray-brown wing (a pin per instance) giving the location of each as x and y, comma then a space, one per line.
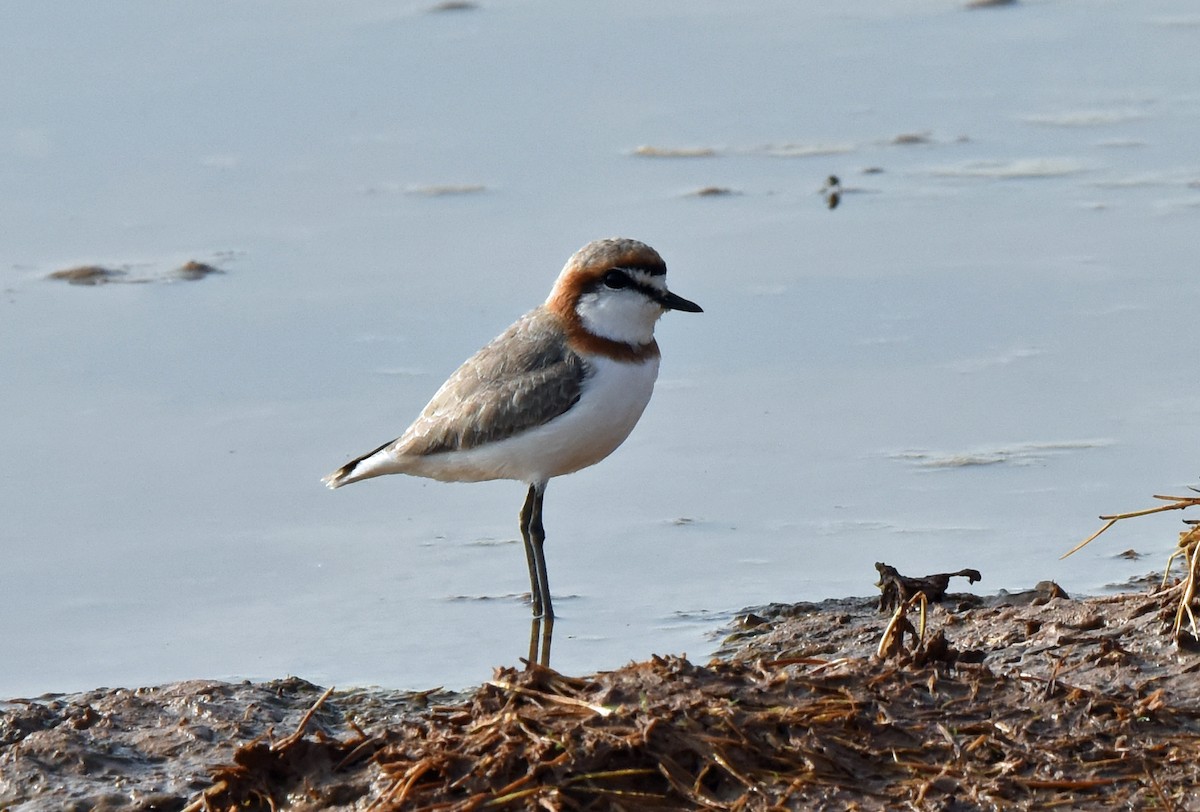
524, 378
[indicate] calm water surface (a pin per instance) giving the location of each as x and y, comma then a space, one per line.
987, 343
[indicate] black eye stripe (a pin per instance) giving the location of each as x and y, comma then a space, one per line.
650, 292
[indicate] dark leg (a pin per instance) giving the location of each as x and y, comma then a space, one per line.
537, 538
537, 535
541, 630
535, 595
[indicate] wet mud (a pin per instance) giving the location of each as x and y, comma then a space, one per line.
1031, 700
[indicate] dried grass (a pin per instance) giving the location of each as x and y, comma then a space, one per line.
1188, 549
667, 734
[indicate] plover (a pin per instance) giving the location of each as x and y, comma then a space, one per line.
557, 391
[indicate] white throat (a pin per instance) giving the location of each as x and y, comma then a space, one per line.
619, 315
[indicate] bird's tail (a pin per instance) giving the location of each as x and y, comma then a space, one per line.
361, 468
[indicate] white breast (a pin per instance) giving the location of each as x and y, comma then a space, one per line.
613, 398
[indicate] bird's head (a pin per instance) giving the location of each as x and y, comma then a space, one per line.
616, 289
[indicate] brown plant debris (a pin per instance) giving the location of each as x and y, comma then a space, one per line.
756, 734
1188, 549
1048, 703
1173, 503
897, 589
87, 275
1063, 706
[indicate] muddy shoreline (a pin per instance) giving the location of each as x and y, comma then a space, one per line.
1032, 702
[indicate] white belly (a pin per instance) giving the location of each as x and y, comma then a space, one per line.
613, 399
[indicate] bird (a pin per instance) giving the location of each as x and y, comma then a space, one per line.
556, 392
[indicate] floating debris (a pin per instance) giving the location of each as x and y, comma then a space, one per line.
794, 150
190, 271
454, 5
193, 270
441, 190
646, 151
1086, 118
972, 4
712, 191
1021, 454
909, 139
1021, 169
88, 275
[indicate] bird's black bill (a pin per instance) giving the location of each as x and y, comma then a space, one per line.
672, 302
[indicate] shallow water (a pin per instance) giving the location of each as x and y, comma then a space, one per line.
983, 347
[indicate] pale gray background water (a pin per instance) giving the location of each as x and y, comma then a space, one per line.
990, 342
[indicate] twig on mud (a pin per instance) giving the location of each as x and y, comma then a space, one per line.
892, 640
202, 802
399, 791
1071, 783
1188, 541
1188, 548
1167, 801
675, 777
1176, 503
605, 775
1191, 554
599, 710
227, 779
298, 733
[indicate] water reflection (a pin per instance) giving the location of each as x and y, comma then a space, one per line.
541, 630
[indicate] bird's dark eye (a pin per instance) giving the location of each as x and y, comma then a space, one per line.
616, 280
